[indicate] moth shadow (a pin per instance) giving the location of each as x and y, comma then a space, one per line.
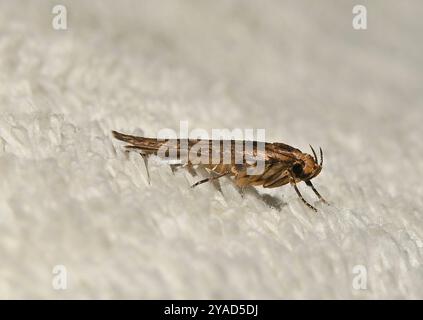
269, 200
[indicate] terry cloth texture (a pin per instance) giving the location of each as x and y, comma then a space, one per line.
75, 207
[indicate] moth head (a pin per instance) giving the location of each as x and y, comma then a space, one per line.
308, 167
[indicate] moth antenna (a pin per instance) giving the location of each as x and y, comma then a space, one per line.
314, 153
321, 157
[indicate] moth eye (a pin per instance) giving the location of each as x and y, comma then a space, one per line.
297, 169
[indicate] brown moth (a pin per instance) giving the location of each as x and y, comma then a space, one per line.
283, 164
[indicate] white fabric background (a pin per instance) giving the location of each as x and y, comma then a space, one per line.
69, 196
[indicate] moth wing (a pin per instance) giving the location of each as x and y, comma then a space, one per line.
146, 145
277, 157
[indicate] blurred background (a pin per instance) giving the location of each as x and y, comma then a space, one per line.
70, 197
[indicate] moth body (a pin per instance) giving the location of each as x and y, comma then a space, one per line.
282, 164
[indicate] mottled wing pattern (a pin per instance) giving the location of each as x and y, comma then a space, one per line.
278, 157
150, 146
145, 145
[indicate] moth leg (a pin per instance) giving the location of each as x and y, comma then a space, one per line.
145, 158
301, 197
241, 191
209, 179
315, 191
